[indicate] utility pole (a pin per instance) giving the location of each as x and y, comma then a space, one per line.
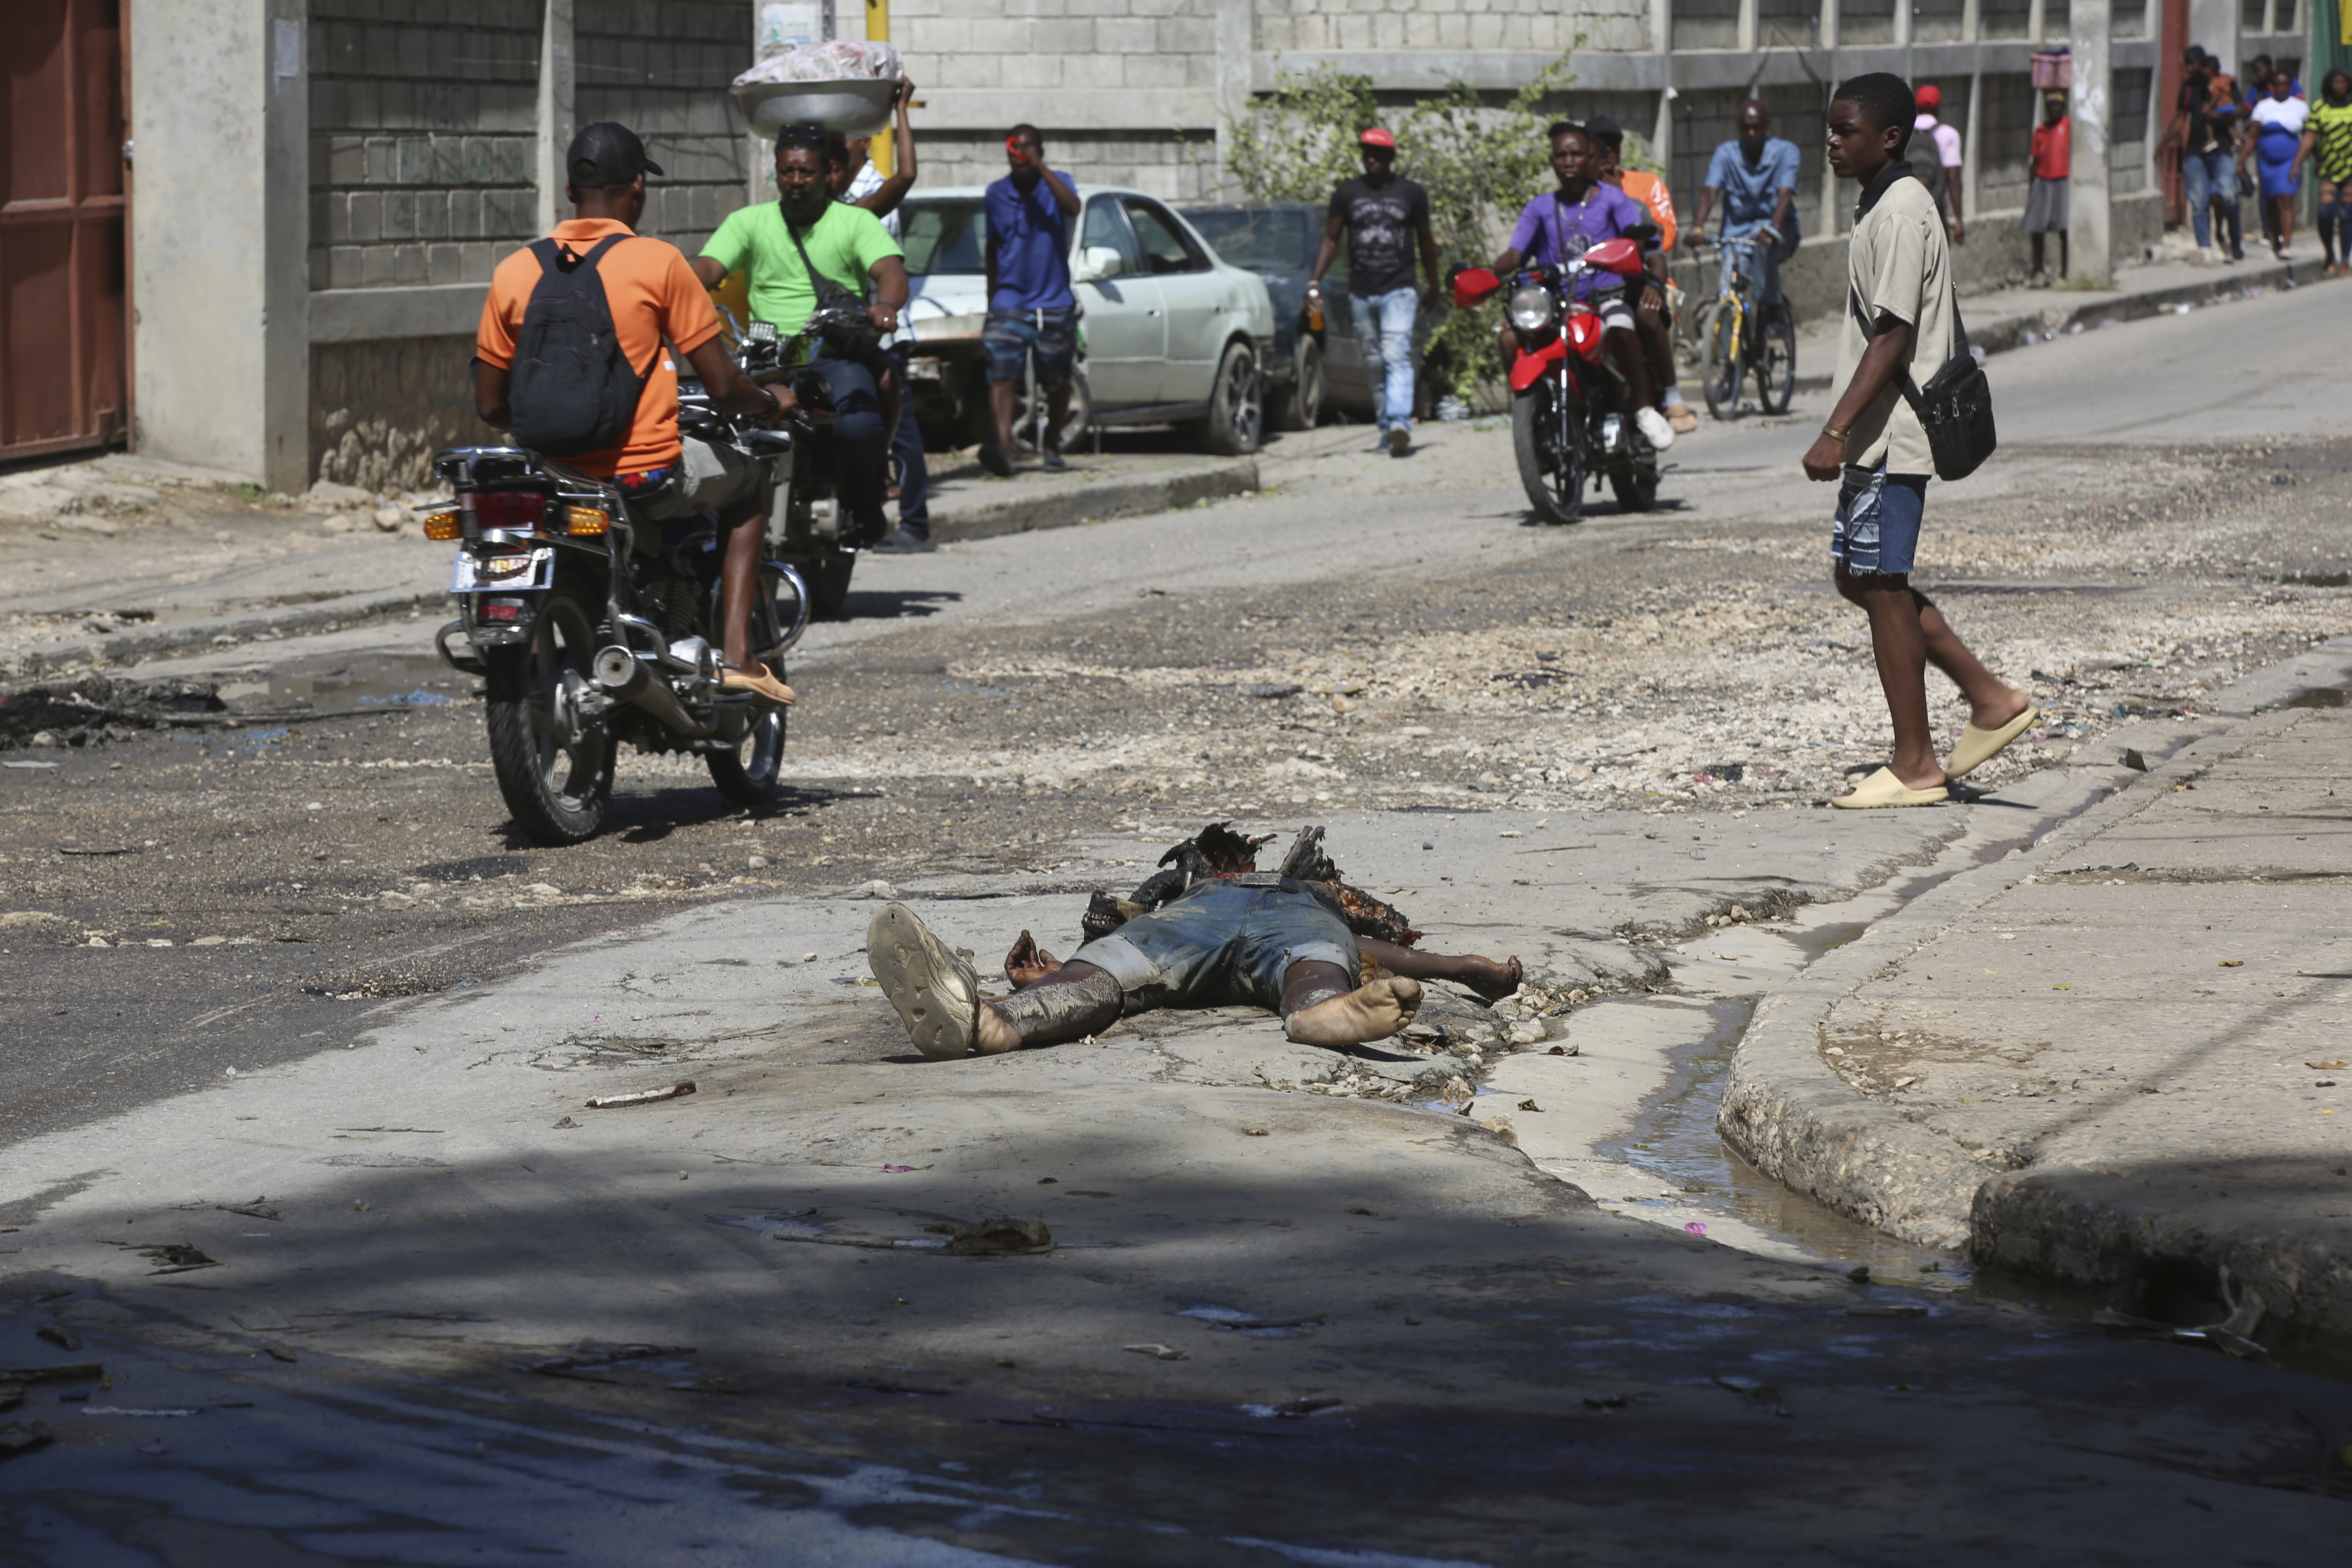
2090, 233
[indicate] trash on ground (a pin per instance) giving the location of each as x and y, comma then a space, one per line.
17, 1439
67, 1371
1887, 1309
1005, 1235
58, 1337
1163, 1353
642, 1097
128, 1410
177, 1258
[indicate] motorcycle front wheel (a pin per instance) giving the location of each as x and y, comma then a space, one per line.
1636, 486
751, 775
553, 766
1718, 337
1551, 464
828, 582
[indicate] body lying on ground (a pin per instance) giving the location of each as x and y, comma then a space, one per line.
1208, 930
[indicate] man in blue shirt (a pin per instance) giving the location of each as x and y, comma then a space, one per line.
1030, 305
1755, 177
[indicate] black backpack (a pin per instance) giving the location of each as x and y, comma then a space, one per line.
574, 390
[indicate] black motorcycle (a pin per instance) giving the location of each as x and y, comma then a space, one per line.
591, 625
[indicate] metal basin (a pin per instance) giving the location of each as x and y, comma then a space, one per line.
848, 108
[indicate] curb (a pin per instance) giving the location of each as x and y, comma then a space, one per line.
1082, 503
208, 631
1787, 1114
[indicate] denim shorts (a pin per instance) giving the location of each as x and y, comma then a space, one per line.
1877, 527
1227, 943
1008, 337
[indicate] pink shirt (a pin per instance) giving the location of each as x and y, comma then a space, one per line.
1947, 140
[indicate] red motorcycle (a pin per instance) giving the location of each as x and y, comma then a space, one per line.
1571, 410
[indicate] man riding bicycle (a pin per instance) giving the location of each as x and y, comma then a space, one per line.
806, 250
652, 298
1755, 177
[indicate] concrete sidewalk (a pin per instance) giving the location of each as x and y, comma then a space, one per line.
2123, 1044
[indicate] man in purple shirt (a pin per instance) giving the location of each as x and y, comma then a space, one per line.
1562, 225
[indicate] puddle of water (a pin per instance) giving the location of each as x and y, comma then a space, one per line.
1675, 1137
2319, 697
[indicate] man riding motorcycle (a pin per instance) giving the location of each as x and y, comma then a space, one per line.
651, 297
1562, 225
805, 251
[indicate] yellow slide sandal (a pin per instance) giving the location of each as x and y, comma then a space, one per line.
1882, 789
1979, 747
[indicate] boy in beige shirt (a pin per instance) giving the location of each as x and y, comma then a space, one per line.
1900, 330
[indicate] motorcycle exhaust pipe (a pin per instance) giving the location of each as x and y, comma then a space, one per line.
625, 676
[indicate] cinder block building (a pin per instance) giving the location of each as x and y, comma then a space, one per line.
254, 234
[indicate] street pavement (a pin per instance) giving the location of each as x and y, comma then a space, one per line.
416, 1006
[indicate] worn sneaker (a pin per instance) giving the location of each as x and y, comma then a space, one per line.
900, 542
1054, 462
1399, 437
996, 459
1654, 428
934, 988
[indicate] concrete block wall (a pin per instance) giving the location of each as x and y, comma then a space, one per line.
1170, 166
1542, 27
423, 118
380, 410
662, 70
1044, 45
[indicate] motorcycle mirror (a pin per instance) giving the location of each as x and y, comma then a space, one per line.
1473, 284
1620, 256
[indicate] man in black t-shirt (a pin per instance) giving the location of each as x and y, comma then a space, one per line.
1383, 213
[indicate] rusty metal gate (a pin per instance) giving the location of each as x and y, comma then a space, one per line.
62, 241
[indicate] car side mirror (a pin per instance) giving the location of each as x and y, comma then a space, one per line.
1098, 261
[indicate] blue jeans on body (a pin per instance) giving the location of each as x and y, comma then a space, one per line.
859, 443
1384, 328
2209, 177
1227, 942
907, 445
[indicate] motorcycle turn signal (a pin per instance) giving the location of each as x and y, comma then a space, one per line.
585, 521
442, 525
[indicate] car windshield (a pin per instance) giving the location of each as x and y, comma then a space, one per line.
943, 239
1266, 240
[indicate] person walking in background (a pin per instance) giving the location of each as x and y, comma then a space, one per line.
2205, 115
1941, 172
2045, 202
1754, 175
1030, 305
1653, 322
880, 194
2327, 143
2274, 140
1901, 321
1385, 217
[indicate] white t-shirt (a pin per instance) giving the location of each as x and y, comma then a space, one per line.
1947, 140
870, 180
2288, 114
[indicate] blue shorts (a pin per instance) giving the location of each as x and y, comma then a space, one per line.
1226, 942
1877, 526
1008, 337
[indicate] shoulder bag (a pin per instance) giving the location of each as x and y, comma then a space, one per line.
1955, 408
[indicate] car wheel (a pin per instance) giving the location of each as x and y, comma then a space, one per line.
1301, 407
1236, 409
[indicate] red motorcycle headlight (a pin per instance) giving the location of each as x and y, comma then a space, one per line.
518, 510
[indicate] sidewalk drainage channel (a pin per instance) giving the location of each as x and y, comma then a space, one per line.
1673, 1137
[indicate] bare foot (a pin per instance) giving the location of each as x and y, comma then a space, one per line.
1028, 963
1373, 1011
1491, 980
991, 1034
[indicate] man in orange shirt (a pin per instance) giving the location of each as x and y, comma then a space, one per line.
1651, 320
652, 296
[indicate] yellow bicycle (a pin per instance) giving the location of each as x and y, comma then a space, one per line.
1735, 337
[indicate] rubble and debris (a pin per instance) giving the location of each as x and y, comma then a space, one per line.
177, 1258
94, 708
1163, 1353
641, 1097
1006, 1235
58, 1337
66, 1372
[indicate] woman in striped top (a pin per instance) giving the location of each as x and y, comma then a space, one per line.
2327, 143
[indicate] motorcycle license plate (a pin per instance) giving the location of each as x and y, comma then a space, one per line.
509, 571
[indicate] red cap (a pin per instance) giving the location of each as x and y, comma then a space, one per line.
1931, 99
1376, 137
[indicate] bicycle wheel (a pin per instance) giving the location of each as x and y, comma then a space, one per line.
1775, 351
1718, 336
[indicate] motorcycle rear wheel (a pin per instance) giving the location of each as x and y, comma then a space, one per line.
554, 769
1551, 464
1030, 409
1719, 333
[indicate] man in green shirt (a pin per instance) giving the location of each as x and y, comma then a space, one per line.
848, 245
